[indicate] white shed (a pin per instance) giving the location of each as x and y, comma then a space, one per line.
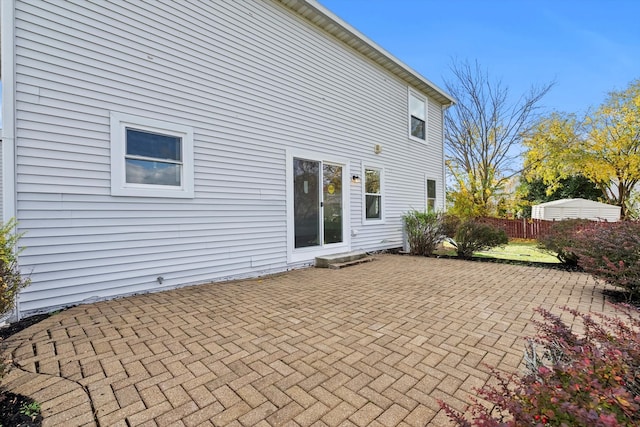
576, 208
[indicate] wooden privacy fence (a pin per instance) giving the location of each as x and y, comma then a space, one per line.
525, 228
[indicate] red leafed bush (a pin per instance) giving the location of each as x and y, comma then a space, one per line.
560, 238
577, 380
611, 252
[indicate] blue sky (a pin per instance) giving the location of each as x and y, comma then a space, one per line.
589, 47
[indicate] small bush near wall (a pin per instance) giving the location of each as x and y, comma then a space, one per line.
14, 409
611, 252
11, 281
587, 380
424, 231
560, 239
472, 236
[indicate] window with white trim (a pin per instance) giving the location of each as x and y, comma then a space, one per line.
417, 116
431, 195
150, 158
373, 194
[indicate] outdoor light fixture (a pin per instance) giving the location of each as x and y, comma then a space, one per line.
355, 179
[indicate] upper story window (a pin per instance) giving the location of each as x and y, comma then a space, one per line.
417, 116
150, 158
431, 195
373, 193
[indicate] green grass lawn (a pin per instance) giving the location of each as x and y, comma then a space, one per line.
520, 251
517, 250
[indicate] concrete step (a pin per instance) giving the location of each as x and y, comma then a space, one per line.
339, 265
325, 261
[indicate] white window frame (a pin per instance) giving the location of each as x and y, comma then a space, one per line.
412, 93
366, 220
119, 185
426, 194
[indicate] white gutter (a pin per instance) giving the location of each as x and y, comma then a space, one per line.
7, 71
8, 111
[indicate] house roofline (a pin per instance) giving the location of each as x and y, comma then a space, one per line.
322, 18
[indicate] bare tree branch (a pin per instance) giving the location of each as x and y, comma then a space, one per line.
483, 131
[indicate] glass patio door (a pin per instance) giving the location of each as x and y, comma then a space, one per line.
317, 203
332, 203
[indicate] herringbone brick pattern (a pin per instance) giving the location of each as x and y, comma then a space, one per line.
371, 345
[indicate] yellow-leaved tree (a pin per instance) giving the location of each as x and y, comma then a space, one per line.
603, 147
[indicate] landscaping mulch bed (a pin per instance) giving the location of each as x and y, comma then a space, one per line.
555, 266
17, 410
620, 297
15, 327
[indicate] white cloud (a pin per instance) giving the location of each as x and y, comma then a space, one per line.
141, 172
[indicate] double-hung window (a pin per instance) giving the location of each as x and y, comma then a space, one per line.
417, 116
431, 195
373, 193
150, 158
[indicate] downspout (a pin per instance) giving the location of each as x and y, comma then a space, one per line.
7, 17
444, 166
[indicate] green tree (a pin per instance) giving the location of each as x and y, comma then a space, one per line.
483, 133
604, 147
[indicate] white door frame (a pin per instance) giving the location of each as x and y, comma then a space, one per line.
295, 255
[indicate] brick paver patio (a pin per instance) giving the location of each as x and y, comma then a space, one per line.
375, 344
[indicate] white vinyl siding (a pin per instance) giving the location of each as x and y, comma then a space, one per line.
251, 79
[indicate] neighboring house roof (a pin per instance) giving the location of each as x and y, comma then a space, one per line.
575, 203
321, 17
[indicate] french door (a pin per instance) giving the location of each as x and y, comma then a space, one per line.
318, 203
